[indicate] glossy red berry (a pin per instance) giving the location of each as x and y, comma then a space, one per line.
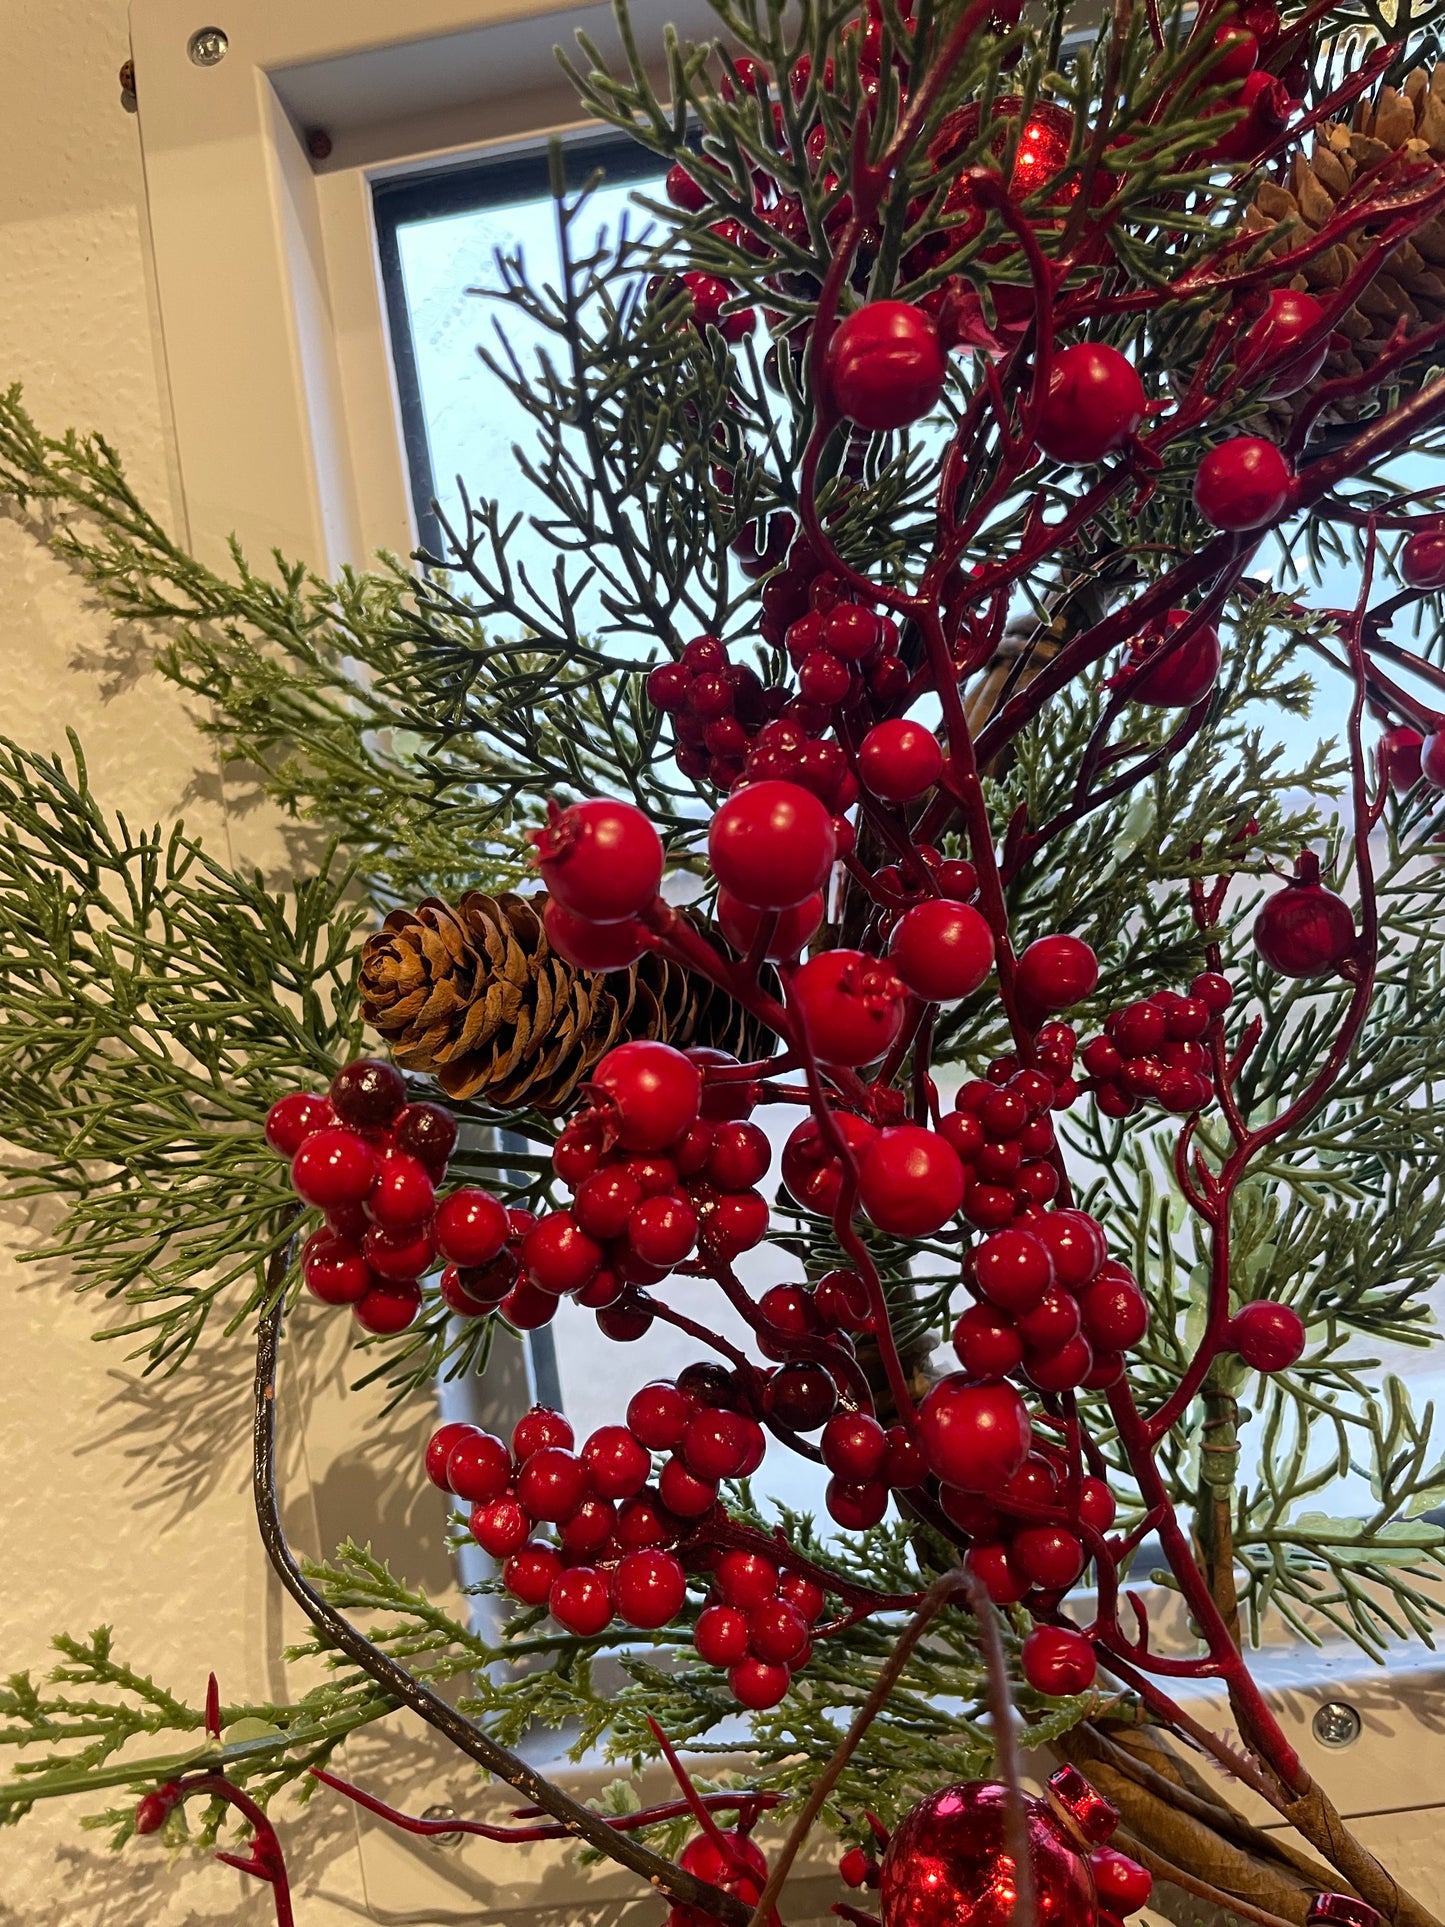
721, 1635
1115, 1312
439, 1450
552, 1483
1051, 1556
884, 366
942, 950
910, 1181
800, 1396
1243, 484
682, 1493
527, 1308
810, 1170
900, 760
1274, 340
1174, 675
745, 1579
1096, 1504
854, 1446
1061, 1370
710, 296
1094, 404
986, 1343
403, 1194
649, 1093
856, 1505
293, 1118
1003, 1580
683, 191
1401, 757
1055, 972
1075, 1243
618, 1466
428, 1132
334, 1270
605, 1201
772, 845
858, 1869
757, 1685
479, 1467
1058, 1661
1432, 760
1269, 1337
810, 1599
1422, 560
794, 928
538, 1427
739, 1157
841, 1300
558, 1256
367, 1093
593, 946
662, 1231
734, 1222
1121, 1883
1304, 930
333, 1166
500, 1526
1013, 1269
601, 859
648, 1588
976, 1436
1050, 1324
657, 1415
851, 1005
777, 1632
388, 1307
581, 1601
531, 1572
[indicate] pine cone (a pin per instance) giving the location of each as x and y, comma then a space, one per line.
1411, 124
475, 996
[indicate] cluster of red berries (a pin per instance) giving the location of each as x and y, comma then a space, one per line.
717, 707
1001, 1130
1154, 1051
372, 1162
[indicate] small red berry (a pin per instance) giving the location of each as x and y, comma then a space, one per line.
403, 1194
910, 1181
856, 1505
1289, 317
531, 1572
854, 1446
618, 1466
1076, 1245
1013, 1270
884, 366
772, 845
538, 1427
657, 1415
1243, 484
1422, 560
1401, 757
739, 1157
745, 1579
721, 1635
389, 1307
1096, 1504
439, 1450
900, 760
552, 1483
976, 1436
648, 1588
1166, 675
809, 1599
662, 1231
1115, 1312
367, 1094
334, 1270
581, 1601
1055, 972
942, 950
293, 1118
1058, 1661
1121, 1883
801, 1397
986, 1343
1051, 1556
683, 1494
601, 859
527, 1308
795, 928
428, 1132
1051, 1323
777, 1631
479, 1467
558, 1256
1061, 1370
333, 1166
1269, 1337
757, 1685
593, 946
500, 1526
605, 1201
1094, 404
812, 1173
1002, 1579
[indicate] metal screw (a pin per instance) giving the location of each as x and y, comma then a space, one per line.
208, 47
1336, 1724
443, 1839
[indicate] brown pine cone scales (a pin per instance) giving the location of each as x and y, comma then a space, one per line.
475, 996
1409, 123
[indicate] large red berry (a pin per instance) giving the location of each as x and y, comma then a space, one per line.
745, 1579
662, 1231
581, 1601
855, 1446
682, 1493
1013, 1269
811, 1171
649, 1092
500, 1526
942, 950
851, 1005
1051, 1556
757, 1685
1075, 1243
1061, 1370
403, 1194
884, 366
593, 946
479, 1467
293, 1118
1269, 1337
398, 1257
367, 1093
428, 1132
531, 1572
772, 845
648, 1588
855, 1504
1303, 930
721, 1635
1094, 404
333, 1166
388, 1307
986, 1343
657, 1415
1058, 1661
740, 924
910, 1181
1055, 972
558, 1256
1274, 339
439, 1450
1121, 1883
334, 1270
602, 860
976, 1436
899, 760
1422, 561
1243, 484
617, 1464
1170, 675
538, 1427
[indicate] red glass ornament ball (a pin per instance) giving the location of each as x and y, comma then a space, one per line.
389, 1307
1058, 1661
942, 950
884, 366
1057, 971
650, 1094
649, 1588
367, 1093
1269, 1337
900, 760
1115, 1312
794, 929
1185, 674
851, 1005
479, 1467
721, 1635
758, 1685
949, 1862
552, 1483
745, 1579
531, 1572
601, 859
538, 1427
334, 1269
1290, 316
986, 1343
1243, 484
618, 1465
856, 1505
657, 1415
771, 845
439, 1449
777, 1632
333, 1166
854, 1446
1304, 930
293, 1118
500, 1526
593, 946
1094, 404
976, 1436
1013, 1269
470, 1227
1422, 560
810, 1170
910, 1181
581, 1601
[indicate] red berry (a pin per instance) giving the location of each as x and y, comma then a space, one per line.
558, 1256
1303, 930
662, 1231
910, 1181
855, 1446
710, 295
1076, 1245
334, 1269
739, 1158
900, 760
801, 1397
292, 1119
734, 1222
1237, 50
884, 366
1096, 1504
856, 1505
1174, 676
617, 1465
1052, 1557
154, 1809
649, 1588
1401, 757
1243, 484
777, 1631
1002, 1579
1121, 1883
851, 1005
1275, 337
745, 1579
840, 1299
1055, 972
657, 1415
683, 1494
811, 1172
941, 950
479, 1468
531, 1572
527, 1307
802, 1593
1094, 404
333, 1166
756, 1684
439, 1450
593, 946
602, 860
721, 1635
772, 845
1051, 1323
583, 1534
1061, 1370
795, 928
1432, 760
403, 1195
858, 1869
640, 1523
976, 1436
389, 1307
649, 1094
906, 1465
1035, 1485
1269, 1337
1058, 1661
367, 1094
683, 191
1115, 1311
428, 1132
986, 1343
605, 1201
500, 1526
1013, 1270
536, 1428
1422, 560
581, 1601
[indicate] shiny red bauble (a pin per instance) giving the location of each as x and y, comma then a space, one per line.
900, 760
649, 1094
293, 1118
1267, 1336
1177, 677
1058, 1661
884, 366
740, 924
851, 1005
910, 1181
942, 950
333, 1166
1422, 560
771, 845
648, 1588
470, 1227
1122, 1884
592, 946
949, 1863
1289, 317
602, 859
1055, 972
976, 1436
581, 1601
1243, 484
1094, 404
1304, 930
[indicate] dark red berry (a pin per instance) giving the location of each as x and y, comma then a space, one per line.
368, 1093
800, 1397
439, 1450
856, 1505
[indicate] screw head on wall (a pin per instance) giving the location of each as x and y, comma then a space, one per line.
208, 46
443, 1839
1336, 1723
